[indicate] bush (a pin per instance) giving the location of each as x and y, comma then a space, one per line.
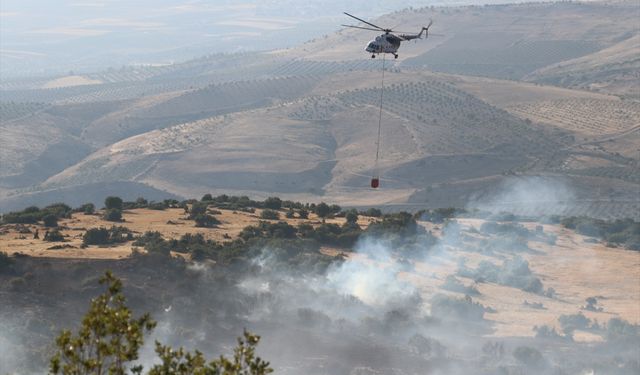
451, 283
113, 214
268, 214
113, 203
54, 236
303, 214
618, 329
88, 208
529, 356
351, 216
372, 212
197, 209
323, 210
104, 236
457, 309
569, 323
96, 236
273, 203
206, 198
50, 221
206, 221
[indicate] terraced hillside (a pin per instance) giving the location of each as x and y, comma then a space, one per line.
612, 70
303, 121
305, 146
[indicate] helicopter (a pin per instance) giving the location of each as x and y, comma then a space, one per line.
387, 42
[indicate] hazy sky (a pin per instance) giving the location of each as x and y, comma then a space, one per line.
39, 37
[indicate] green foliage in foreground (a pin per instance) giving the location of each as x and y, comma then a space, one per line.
110, 339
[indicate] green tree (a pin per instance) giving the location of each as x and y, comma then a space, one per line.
351, 216
268, 214
323, 210
206, 221
54, 236
304, 214
273, 203
181, 362
113, 214
88, 208
50, 221
197, 209
96, 236
109, 337
113, 203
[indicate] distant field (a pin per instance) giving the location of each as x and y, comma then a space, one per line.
590, 117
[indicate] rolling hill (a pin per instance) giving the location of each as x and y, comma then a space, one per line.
457, 119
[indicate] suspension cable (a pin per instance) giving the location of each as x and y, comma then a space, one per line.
376, 169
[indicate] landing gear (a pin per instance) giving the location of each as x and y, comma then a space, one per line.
373, 56
395, 55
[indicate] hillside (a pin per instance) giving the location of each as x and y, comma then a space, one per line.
457, 119
501, 280
611, 70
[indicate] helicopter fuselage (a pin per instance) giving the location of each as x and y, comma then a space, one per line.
385, 43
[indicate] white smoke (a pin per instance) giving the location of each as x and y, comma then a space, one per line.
529, 195
372, 276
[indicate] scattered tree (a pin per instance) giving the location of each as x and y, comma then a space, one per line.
113, 214
50, 221
268, 214
113, 203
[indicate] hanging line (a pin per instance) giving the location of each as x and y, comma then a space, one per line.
376, 169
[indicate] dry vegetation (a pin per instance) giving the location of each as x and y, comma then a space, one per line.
575, 267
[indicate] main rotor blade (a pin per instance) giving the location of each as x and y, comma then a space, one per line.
361, 20
363, 28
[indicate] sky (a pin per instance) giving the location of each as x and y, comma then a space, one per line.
43, 38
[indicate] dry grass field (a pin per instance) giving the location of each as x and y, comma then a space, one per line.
575, 267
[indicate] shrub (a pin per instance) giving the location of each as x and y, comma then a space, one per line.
458, 309
569, 323
113, 214
206, 221
206, 198
88, 208
351, 216
546, 332
96, 236
50, 221
104, 236
54, 236
372, 212
268, 214
273, 203
113, 203
529, 356
303, 214
322, 210
290, 214
157, 206
451, 283
197, 209
618, 329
